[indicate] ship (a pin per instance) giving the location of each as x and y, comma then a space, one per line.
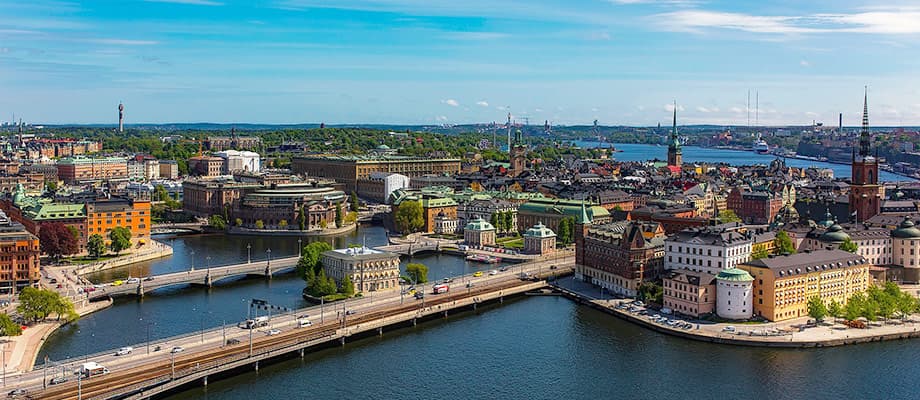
761, 147
483, 258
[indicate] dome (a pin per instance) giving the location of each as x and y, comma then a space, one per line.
906, 230
479, 224
383, 147
827, 223
834, 234
539, 231
735, 275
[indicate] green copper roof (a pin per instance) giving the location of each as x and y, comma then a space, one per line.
479, 224
734, 275
539, 231
582, 211
906, 230
834, 234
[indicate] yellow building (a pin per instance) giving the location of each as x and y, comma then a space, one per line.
764, 242
783, 284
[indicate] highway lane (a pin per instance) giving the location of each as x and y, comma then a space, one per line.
215, 338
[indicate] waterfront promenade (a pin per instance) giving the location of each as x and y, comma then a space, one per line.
790, 333
216, 350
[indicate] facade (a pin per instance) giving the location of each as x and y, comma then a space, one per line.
57, 148
734, 294
485, 207
19, 263
368, 269
81, 170
479, 233
220, 143
689, 292
873, 243
102, 216
783, 284
708, 249
380, 185
239, 161
905, 243
203, 198
621, 255
205, 166
32, 182
539, 240
279, 206
169, 169
349, 170
551, 211
518, 154
865, 192
445, 225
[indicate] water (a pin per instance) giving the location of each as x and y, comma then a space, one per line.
643, 152
550, 348
177, 310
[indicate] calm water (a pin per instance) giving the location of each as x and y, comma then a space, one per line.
643, 152
176, 310
550, 348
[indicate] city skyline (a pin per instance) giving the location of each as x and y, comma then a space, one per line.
413, 62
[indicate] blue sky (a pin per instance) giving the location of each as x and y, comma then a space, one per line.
431, 61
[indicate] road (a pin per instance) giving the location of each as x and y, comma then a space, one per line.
216, 338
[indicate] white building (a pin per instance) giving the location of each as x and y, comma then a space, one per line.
391, 182
709, 249
240, 161
368, 269
906, 244
873, 243
734, 294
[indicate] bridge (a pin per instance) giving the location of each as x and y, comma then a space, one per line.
222, 351
200, 276
190, 227
411, 249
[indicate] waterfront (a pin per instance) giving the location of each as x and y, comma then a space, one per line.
643, 152
548, 347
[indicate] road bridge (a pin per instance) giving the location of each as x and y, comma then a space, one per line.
411, 249
201, 276
190, 227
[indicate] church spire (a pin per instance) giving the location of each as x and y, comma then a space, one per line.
864, 134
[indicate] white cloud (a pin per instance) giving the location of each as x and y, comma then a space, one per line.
811, 114
663, 2
190, 2
875, 22
670, 107
538, 110
451, 102
805, 63
440, 118
594, 109
482, 103
707, 109
737, 110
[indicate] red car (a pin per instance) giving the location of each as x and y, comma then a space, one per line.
89, 289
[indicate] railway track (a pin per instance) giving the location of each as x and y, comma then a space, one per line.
155, 372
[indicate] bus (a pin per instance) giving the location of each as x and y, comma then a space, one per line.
440, 288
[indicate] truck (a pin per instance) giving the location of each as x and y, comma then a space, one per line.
258, 322
93, 368
440, 288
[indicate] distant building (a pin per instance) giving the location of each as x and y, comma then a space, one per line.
206, 166
169, 169
233, 142
350, 169
689, 293
368, 269
380, 185
539, 240
551, 211
19, 265
620, 256
236, 161
479, 233
82, 170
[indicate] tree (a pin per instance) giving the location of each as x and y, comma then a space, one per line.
727, 216
849, 245
217, 222
311, 255
816, 308
835, 310
348, 287
508, 221
260, 224
783, 243
759, 253
119, 239
566, 231
417, 272
853, 309
56, 240
38, 304
351, 217
338, 215
51, 186
409, 217
496, 221
355, 206
8, 327
283, 224
651, 292
302, 218
95, 245
239, 222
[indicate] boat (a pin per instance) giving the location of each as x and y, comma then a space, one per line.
761, 147
483, 258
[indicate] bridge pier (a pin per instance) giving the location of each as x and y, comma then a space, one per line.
268, 272
140, 289
207, 280
204, 381
301, 353
257, 365
380, 331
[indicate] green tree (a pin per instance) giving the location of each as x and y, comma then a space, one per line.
348, 287
119, 239
496, 221
417, 272
95, 245
8, 327
239, 222
783, 243
727, 216
38, 304
283, 224
409, 217
816, 308
651, 292
338, 215
302, 218
835, 310
566, 234
260, 224
51, 186
217, 222
355, 206
854, 307
508, 221
311, 255
759, 253
849, 245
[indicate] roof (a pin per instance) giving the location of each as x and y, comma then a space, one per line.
692, 277
360, 253
711, 236
571, 208
803, 263
906, 230
734, 275
539, 231
479, 224
834, 234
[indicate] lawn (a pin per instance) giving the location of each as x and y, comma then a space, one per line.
88, 260
517, 243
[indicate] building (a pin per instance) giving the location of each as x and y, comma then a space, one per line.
102, 216
784, 284
143, 168
539, 240
873, 243
19, 264
368, 269
620, 256
421, 182
551, 211
169, 169
479, 233
82, 170
672, 218
206, 166
518, 154
689, 292
675, 154
734, 294
380, 185
239, 161
905, 243
279, 206
485, 205
865, 192
206, 197
709, 249
757, 207
220, 143
32, 182
350, 169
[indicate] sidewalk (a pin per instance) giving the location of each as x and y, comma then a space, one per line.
149, 251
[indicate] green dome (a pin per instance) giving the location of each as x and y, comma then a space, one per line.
906, 230
734, 275
479, 224
540, 231
383, 147
834, 234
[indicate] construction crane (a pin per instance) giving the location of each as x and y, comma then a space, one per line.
199, 141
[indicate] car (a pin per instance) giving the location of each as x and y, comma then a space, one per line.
99, 286
553, 267
304, 316
273, 332
477, 274
469, 284
304, 323
52, 281
148, 279
493, 272
60, 286
17, 392
233, 341
58, 380
124, 351
134, 280
503, 269
350, 312
177, 349
118, 283
447, 280
728, 329
638, 303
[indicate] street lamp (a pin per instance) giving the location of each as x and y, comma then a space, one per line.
148, 333
248, 253
299, 248
193, 260
208, 258
269, 263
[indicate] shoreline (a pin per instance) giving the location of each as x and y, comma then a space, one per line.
848, 336
291, 232
152, 251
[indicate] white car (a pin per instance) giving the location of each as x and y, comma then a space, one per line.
273, 332
728, 329
177, 349
124, 351
493, 272
134, 280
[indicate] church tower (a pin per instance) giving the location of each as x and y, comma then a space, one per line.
865, 192
675, 154
518, 154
